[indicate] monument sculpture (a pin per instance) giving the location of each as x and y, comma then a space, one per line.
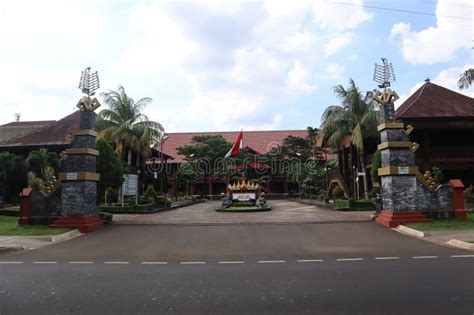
79, 179
407, 194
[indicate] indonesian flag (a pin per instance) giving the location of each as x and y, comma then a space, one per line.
238, 144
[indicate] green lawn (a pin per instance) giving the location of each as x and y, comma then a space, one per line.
9, 227
440, 225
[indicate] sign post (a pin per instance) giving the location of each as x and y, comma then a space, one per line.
130, 187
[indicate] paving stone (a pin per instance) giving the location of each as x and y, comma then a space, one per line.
283, 211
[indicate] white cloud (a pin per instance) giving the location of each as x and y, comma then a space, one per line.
440, 42
340, 17
337, 42
334, 70
299, 79
235, 61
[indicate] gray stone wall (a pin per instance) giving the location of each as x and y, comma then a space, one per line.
79, 198
387, 135
80, 163
87, 120
440, 199
83, 142
387, 113
397, 157
399, 193
42, 206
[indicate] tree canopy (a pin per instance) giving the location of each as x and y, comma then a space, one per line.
124, 124
109, 166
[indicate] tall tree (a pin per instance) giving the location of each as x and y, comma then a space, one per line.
204, 152
7, 164
109, 166
465, 80
124, 124
356, 116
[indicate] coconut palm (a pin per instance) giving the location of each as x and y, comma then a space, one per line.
124, 124
465, 81
356, 116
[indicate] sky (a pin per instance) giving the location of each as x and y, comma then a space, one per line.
225, 65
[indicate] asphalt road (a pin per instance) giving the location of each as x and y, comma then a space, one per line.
342, 268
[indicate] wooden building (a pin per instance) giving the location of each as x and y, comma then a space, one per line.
443, 122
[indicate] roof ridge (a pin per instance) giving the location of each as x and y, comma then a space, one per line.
202, 132
55, 122
421, 89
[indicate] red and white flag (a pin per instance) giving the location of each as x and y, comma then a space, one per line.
238, 144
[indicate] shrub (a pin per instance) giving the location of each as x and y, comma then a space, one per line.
106, 217
162, 201
338, 193
437, 174
469, 195
374, 170
243, 205
111, 195
149, 196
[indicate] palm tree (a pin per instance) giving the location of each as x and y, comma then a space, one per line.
38, 161
124, 124
356, 116
465, 80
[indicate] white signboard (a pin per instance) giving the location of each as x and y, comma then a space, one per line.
130, 185
71, 176
243, 196
403, 170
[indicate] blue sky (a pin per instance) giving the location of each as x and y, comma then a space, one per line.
225, 65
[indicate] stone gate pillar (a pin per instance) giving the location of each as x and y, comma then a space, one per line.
398, 172
79, 179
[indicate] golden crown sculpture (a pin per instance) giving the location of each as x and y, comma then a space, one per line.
243, 185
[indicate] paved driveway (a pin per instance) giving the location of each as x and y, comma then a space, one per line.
283, 211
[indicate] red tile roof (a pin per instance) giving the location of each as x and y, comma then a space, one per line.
260, 141
434, 101
52, 134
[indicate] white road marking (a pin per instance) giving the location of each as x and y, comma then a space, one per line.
192, 262
349, 259
232, 262
116, 262
387, 258
462, 256
424, 257
282, 204
45, 262
271, 261
154, 262
81, 262
309, 260
10, 262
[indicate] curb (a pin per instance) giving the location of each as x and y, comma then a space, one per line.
409, 231
460, 244
66, 236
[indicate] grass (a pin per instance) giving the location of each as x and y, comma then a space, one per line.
440, 225
9, 227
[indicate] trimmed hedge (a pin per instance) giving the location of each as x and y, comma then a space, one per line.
350, 204
128, 209
106, 217
10, 212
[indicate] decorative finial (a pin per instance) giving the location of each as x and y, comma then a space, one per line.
89, 82
384, 74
